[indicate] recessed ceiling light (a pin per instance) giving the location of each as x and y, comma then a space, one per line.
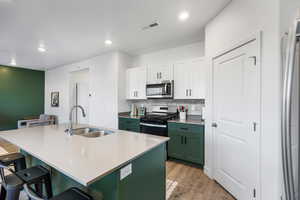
41, 48
13, 62
183, 16
108, 42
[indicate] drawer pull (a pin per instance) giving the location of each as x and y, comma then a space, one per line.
184, 129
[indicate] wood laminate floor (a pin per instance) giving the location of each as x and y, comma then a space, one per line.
193, 184
8, 146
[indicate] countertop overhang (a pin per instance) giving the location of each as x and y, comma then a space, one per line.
83, 159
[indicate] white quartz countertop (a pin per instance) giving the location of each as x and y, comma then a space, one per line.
83, 159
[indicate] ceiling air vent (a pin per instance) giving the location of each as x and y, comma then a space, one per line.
152, 25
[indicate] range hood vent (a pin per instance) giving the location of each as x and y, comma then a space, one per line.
152, 25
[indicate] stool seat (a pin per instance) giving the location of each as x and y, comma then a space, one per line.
17, 159
10, 158
72, 194
32, 174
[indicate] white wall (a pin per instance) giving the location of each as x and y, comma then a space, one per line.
108, 81
289, 10
104, 84
237, 22
170, 55
124, 61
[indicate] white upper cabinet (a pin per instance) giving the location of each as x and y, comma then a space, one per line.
189, 79
159, 73
136, 83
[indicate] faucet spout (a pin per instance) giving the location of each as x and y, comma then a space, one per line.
72, 109
70, 130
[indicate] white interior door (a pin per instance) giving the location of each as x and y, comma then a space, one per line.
80, 94
236, 104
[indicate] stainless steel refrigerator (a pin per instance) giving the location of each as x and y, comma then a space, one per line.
290, 120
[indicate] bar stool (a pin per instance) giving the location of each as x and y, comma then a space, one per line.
70, 194
39, 176
12, 184
17, 160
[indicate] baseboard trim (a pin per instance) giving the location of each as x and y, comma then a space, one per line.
208, 172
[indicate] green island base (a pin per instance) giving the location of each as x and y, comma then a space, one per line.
147, 180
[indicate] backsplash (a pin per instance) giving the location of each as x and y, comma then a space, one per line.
194, 106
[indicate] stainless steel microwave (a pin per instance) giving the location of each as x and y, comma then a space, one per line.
160, 90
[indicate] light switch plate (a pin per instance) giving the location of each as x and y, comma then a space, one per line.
125, 171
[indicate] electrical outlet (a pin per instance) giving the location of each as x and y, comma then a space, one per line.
125, 171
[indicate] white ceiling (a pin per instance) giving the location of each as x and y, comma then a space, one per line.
73, 30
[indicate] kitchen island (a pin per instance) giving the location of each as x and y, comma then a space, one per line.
120, 166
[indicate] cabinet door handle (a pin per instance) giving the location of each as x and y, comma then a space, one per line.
184, 128
137, 93
186, 92
160, 76
190, 92
185, 140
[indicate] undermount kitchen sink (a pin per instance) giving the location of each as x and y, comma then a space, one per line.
91, 132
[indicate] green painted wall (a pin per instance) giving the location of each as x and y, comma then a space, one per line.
21, 95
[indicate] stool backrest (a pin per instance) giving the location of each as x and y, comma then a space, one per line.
31, 194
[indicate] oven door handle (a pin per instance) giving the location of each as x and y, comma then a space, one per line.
153, 125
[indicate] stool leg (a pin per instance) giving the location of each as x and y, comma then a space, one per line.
2, 193
20, 164
13, 194
39, 189
48, 186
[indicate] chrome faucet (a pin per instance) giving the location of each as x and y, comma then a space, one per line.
70, 130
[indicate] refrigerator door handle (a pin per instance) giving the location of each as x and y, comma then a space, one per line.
283, 127
286, 117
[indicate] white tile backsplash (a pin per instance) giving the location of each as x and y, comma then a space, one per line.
194, 106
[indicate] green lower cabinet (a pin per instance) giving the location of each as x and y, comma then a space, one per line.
186, 142
175, 146
195, 149
129, 124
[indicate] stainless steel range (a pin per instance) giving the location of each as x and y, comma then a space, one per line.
156, 122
